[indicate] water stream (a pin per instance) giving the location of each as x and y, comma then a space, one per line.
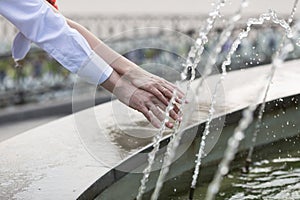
189, 72
238, 135
156, 139
208, 68
194, 57
263, 105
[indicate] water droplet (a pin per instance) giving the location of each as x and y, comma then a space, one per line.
239, 136
230, 176
222, 194
199, 42
224, 170
298, 43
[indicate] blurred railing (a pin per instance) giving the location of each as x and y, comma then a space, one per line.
41, 76
7, 33
105, 27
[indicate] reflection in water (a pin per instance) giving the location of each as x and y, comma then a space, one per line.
275, 175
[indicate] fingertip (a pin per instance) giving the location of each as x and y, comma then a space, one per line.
170, 125
156, 125
178, 118
179, 100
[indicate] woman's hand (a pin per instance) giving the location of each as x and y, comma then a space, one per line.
151, 107
160, 88
140, 78
139, 99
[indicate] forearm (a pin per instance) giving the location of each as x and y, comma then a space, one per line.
118, 62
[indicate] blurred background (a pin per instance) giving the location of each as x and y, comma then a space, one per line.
41, 90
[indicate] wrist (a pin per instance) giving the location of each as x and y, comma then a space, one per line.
120, 87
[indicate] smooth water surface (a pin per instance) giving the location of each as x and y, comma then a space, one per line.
275, 174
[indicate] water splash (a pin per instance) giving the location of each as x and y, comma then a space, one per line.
224, 36
233, 143
189, 73
262, 107
194, 55
171, 149
207, 71
292, 15
156, 142
247, 118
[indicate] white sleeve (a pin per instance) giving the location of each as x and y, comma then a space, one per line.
49, 30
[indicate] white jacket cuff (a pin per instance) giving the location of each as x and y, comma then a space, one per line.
95, 70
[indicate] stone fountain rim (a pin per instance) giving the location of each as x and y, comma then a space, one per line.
105, 181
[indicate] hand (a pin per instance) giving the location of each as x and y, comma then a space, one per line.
138, 77
155, 85
141, 100
151, 107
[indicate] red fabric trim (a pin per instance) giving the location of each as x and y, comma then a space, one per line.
53, 3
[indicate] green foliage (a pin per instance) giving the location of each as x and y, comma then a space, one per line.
47, 64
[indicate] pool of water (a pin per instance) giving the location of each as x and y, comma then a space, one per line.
274, 174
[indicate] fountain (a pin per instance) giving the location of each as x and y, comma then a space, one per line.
189, 74
251, 106
238, 134
262, 108
190, 66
